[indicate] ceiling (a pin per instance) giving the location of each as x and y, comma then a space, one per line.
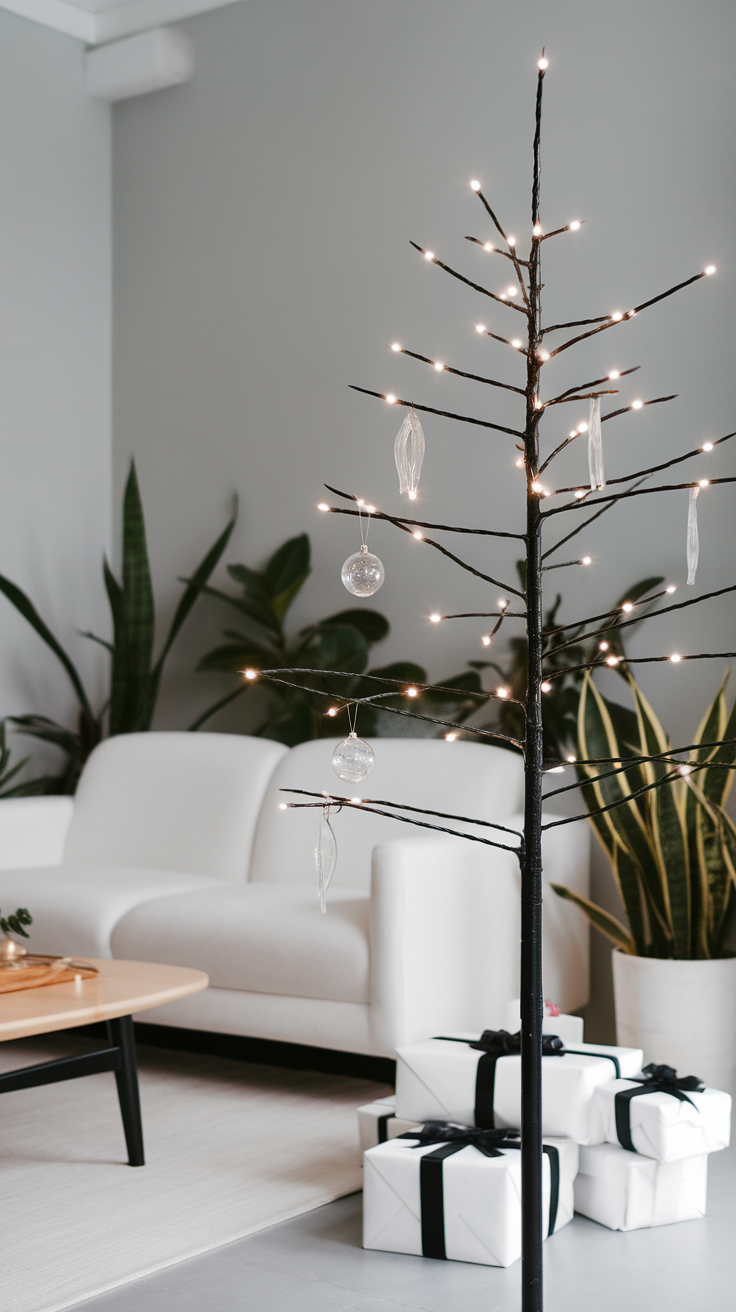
98, 21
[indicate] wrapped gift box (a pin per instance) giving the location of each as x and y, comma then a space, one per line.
377, 1122
627, 1192
445, 1079
461, 1204
661, 1125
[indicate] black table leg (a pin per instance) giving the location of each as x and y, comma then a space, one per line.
122, 1036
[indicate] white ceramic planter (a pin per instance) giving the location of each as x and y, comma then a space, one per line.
682, 1013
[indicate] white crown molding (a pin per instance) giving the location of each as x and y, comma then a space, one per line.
110, 24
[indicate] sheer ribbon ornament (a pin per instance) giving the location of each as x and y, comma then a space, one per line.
325, 855
595, 444
693, 540
409, 453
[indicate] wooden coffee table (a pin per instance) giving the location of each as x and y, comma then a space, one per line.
120, 989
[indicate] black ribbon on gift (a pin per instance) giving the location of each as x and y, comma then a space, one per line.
450, 1138
493, 1044
653, 1079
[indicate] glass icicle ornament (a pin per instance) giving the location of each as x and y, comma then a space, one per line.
409, 453
325, 855
595, 444
353, 759
363, 573
693, 541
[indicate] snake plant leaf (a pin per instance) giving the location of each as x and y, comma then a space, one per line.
189, 597
603, 920
131, 703
25, 606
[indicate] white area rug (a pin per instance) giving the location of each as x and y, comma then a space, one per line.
230, 1148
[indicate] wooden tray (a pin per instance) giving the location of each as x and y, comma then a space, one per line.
31, 972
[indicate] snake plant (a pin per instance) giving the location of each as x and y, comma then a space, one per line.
671, 845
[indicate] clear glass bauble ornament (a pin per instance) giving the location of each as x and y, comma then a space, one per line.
325, 855
363, 573
353, 760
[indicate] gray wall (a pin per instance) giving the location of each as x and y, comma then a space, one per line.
55, 439
262, 262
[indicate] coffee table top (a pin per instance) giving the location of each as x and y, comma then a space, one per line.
121, 988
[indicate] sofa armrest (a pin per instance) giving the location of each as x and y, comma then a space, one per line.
445, 931
33, 831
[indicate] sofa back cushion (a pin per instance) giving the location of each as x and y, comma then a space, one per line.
462, 778
172, 801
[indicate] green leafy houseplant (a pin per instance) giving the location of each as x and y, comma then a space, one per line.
341, 642
672, 848
135, 676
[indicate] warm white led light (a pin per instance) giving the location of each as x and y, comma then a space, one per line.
630, 314
707, 446
542, 354
573, 433
585, 560
488, 246
391, 398
546, 687
675, 658
583, 426
617, 316
357, 801
435, 619
579, 491
704, 482
628, 607
543, 63
556, 769
636, 405
450, 737
574, 225
412, 496
282, 806
480, 328
502, 605
537, 487
395, 346
486, 640
429, 255
512, 291
323, 506
502, 296
516, 342
537, 230
438, 366
360, 502
418, 536
603, 646
711, 268
502, 692
332, 712
672, 588
614, 374
370, 510
412, 692
520, 463
475, 184
571, 759
511, 241
612, 660
684, 770
251, 674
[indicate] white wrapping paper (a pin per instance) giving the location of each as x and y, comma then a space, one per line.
666, 1129
435, 1081
567, 1028
482, 1200
627, 1192
377, 1122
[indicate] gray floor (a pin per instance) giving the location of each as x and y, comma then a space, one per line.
316, 1264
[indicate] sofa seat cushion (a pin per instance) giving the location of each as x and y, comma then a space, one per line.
75, 908
261, 938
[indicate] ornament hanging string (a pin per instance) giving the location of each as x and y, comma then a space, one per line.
693, 540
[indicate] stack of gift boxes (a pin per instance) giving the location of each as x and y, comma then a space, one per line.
624, 1146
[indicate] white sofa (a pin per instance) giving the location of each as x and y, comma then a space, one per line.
175, 850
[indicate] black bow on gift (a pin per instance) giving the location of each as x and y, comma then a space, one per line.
666, 1079
486, 1141
499, 1043
653, 1079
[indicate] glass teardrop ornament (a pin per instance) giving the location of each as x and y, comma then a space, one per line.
409, 454
353, 760
363, 573
693, 540
325, 855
